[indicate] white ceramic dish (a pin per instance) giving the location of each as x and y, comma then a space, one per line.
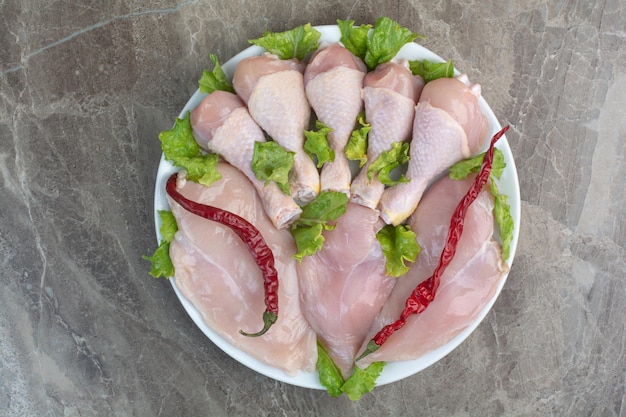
393, 371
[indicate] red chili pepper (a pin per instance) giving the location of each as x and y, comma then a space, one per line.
253, 239
425, 292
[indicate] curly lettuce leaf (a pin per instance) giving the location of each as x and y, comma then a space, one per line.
308, 239
214, 80
329, 374
271, 162
168, 226
179, 141
430, 71
294, 43
356, 149
502, 209
161, 263
180, 148
504, 220
354, 38
315, 218
362, 381
202, 168
329, 205
385, 41
387, 161
462, 169
399, 246
316, 144
359, 383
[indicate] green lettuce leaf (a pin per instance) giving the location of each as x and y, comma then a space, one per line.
180, 148
294, 43
307, 230
504, 220
316, 144
362, 381
328, 206
385, 41
179, 141
329, 374
271, 162
202, 168
399, 246
308, 239
168, 226
502, 209
429, 70
161, 263
462, 169
387, 161
214, 80
356, 149
354, 38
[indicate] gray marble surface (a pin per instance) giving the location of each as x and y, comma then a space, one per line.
86, 86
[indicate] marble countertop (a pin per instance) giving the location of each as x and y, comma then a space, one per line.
85, 88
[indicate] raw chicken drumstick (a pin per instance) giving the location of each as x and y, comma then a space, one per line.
222, 124
333, 81
273, 89
448, 127
390, 93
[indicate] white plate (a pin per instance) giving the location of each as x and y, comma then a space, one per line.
393, 371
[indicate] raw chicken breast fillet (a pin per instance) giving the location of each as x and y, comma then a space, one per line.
217, 274
344, 286
467, 285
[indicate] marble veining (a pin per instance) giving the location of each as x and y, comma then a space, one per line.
86, 87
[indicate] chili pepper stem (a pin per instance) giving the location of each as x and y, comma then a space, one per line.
269, 318
371, 348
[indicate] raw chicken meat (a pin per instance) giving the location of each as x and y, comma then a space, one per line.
344, 286
460, 100
390, 93
217, 274
448, 127
466, 286
333, 81
273, 89
222, 124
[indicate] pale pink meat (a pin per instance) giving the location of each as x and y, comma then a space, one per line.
344, 286
250, 70
446, 108
333, 82
222, 124
467, 285
273, 89
459, 98
390, 93
217, 274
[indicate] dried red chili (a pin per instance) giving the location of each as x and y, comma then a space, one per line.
425, 292
253, 239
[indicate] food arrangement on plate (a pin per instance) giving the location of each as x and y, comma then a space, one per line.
336, 206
